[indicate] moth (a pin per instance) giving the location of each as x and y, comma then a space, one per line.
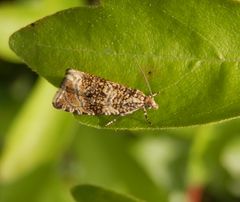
85, 94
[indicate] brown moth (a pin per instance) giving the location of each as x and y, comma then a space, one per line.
82, 93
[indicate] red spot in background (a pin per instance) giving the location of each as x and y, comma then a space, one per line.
194, 194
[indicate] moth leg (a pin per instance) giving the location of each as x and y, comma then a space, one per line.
146, 116
110, 122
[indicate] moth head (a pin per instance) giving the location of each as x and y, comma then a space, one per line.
150, 102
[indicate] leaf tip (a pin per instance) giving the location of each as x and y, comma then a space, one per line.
12, 42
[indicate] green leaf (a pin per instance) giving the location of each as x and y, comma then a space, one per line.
90, 193
188, 50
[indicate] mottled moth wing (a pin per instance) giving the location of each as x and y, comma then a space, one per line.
83, 93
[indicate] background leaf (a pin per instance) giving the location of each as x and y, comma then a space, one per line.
31, 141
189, 51
89, 193
111, 163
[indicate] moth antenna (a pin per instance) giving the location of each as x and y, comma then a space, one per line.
146, 80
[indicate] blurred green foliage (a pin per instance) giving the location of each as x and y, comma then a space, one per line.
89, 193
14, 15
44, 153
